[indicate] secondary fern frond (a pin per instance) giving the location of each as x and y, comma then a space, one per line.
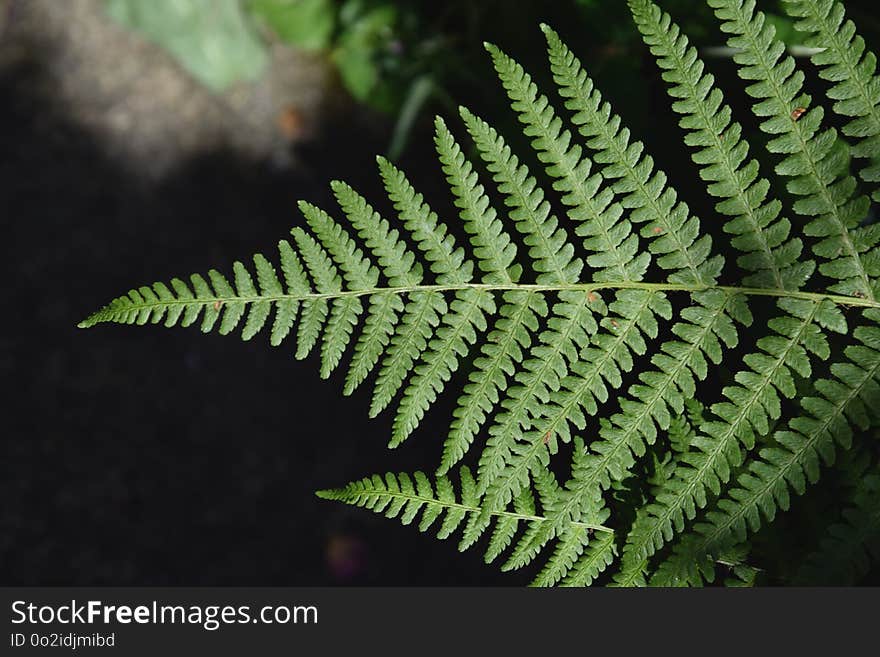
721, 152
613, 246
794, 460
423, 311
405, 496
586, 384
609, 236
654, 201
519, 315
814, 159
750, 408
571, 318
673, 233
844, 61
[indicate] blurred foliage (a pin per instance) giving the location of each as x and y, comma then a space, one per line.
397, 57
308, 24
212, 39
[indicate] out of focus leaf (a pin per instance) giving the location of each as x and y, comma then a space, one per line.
212, 39
417, 95
307, 24
366, 32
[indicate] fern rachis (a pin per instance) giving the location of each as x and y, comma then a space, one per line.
581, 364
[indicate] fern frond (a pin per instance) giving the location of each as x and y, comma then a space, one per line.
451, 341
448, 262
568, 551
568, 332
608, 235
405, 496
549, 247
721, 152
492, 245
507, 527
852, 69
571, 321
660, 394
683, 428
496, 253
673, 233
505, 346
465, 315
557, 332
597, 556
613, 246
676, 243
359, 272
579, 392
789, 464
344, 311
604, 361
382, 317
750, 408
401, 268
654, 202
814, 160
552, 144
611, 236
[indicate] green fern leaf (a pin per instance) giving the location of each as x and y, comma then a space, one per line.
813, 161
760, 233
673, 232
790, 464
580, 365
852, 69
750, 407
405, 496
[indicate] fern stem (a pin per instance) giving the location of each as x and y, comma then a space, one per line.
109, 313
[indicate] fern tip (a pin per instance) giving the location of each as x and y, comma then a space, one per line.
549, 33
93, 319
337, 185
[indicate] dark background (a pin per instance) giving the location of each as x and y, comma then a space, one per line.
145, 456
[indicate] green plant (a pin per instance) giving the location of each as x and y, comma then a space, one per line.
624, 326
